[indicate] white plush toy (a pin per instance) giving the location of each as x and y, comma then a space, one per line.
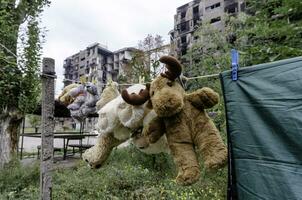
117, 121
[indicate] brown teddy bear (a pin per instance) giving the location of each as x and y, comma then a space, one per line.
183, 118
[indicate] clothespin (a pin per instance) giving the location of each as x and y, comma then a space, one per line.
235, 64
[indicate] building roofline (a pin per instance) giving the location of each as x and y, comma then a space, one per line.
126, 48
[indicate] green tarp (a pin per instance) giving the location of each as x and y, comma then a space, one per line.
264, 122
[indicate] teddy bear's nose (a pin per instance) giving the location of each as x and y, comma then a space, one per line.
141, 147
98, 166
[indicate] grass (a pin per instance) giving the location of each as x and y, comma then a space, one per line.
128, 174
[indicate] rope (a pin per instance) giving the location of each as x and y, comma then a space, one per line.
144, 83
200, 77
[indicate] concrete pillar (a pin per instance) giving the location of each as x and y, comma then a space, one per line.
48, 91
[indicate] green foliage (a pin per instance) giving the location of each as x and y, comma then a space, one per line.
144, 63
19, 182
138, 68
128, 174
19, 81
30, 62
273, 33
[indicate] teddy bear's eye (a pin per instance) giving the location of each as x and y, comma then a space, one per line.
152, 93
169, 84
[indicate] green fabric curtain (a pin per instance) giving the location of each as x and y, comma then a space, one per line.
264, 122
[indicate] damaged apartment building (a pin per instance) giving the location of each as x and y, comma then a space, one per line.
190, 16
96, 64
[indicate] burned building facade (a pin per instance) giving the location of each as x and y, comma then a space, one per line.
190, 16
96, 64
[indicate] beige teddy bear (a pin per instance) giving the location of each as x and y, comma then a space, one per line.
183, 118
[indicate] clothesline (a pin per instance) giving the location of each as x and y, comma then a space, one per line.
200, 77
183, 77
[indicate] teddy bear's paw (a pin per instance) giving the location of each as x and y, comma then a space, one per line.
212, 97
90, 158
188, 176
216, 162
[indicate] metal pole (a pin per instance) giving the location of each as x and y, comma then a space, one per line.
22, 139
48, 76
81, 132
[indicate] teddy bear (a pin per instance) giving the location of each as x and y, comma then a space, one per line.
65, 97
80, 99
182, 117
116, 122
109, 93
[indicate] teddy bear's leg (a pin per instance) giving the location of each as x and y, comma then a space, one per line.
211, 146
186, 162
98, 154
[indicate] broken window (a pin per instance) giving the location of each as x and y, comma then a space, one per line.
196, 10
183, 39
184, 26
216, 19
233, 8
182, 15
242, 7
75, 76
212, 7
183, 51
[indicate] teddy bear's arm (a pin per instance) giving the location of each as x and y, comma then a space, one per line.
203, 98
154, 130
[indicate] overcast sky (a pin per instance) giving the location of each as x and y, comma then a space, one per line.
74, 24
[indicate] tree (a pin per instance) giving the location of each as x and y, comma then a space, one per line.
153, 48
138, 65
19, 82
144, 63
273, 31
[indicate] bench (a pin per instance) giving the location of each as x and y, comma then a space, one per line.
80, 146
55, 149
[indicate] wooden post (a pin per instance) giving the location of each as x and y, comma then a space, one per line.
48, 76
